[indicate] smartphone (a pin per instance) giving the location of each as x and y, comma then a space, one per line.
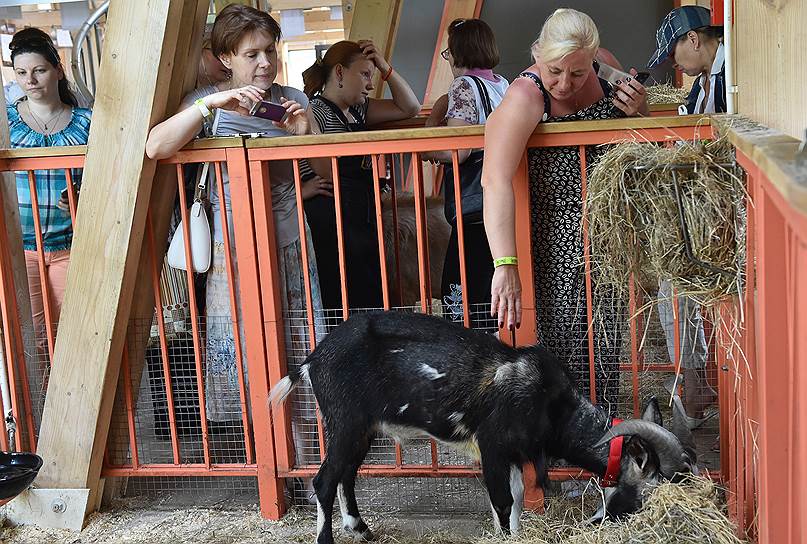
612, 75
268, 110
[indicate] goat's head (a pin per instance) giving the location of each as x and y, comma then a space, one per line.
650, 454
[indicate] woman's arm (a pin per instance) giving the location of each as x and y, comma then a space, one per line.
506, 134
437, 116
168, 137
445, 156
403, 105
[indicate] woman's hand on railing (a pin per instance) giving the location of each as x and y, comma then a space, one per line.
505, 296
317, 186
630, 96
238, 100
296, 121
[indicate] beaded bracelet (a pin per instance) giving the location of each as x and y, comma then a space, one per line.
501, 261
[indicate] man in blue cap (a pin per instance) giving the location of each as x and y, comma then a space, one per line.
686, 37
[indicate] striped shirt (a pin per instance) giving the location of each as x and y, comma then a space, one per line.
57, 230
330, 123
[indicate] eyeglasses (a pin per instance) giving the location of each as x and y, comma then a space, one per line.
444, 53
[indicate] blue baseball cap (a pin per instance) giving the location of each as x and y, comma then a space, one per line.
677, 23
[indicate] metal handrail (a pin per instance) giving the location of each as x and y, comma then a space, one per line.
75, 63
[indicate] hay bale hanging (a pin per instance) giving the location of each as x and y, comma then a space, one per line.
635, 223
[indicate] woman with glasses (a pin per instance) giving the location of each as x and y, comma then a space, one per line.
472, 96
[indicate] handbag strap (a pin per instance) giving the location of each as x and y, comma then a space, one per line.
201, 188
483, 95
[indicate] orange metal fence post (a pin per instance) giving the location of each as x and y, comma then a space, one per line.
526, 334
592, 382
773, 376
262, 333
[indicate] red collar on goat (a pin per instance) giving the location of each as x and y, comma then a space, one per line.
614, 459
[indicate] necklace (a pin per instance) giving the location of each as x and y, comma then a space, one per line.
44, 125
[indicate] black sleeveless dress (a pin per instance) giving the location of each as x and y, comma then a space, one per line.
556, 211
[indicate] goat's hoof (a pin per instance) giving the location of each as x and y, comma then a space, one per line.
359, 533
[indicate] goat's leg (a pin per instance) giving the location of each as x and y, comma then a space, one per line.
496, 471
517, 492
325, 484
340, 457
351, 518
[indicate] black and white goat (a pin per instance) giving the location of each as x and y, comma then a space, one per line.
398, 373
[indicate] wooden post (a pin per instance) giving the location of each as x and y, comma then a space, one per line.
347, 15
137, 66
11, 218
161, 205
440, 76
376, 20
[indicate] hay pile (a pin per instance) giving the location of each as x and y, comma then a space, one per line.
664, 93
689, 512
634, 220
674, 514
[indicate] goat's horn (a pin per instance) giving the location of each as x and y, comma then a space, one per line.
680, 428
671, 454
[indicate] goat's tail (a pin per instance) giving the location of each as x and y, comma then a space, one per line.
284, 387
280, 391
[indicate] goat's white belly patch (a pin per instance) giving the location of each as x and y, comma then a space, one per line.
402, 433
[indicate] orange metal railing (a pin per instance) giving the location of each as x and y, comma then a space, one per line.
268, 450
767, 430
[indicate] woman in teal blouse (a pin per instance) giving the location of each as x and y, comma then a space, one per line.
46, 116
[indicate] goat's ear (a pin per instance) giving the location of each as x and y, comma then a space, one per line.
642, 459
652, 412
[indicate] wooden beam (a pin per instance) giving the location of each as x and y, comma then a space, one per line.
161, 205
347, 14
138, 58
440, 76
13, 241
376, 20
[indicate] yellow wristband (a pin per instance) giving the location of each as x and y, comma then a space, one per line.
203, 109
501, 261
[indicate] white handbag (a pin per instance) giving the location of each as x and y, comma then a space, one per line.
199, 228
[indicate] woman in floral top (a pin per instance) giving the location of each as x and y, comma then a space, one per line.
472, 96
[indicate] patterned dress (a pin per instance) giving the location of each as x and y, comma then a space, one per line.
559, 272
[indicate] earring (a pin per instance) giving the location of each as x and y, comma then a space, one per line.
340, 85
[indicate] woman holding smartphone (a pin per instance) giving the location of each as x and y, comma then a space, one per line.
245, 40
562, 85
339, 87
47, 115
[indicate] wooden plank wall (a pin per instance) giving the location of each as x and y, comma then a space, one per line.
770, 37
